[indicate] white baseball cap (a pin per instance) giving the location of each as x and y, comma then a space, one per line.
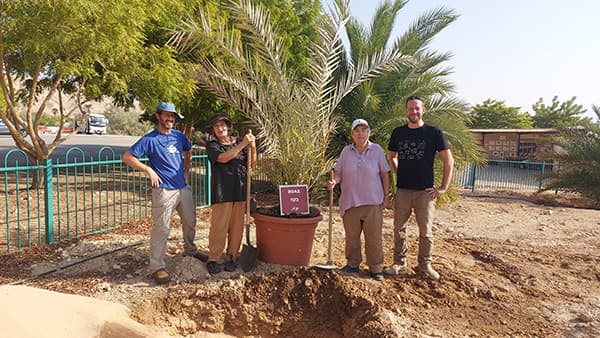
359, 122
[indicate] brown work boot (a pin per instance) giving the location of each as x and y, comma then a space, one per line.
161, 276
426, 271
396, 268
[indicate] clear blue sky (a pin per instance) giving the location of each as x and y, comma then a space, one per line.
514, 50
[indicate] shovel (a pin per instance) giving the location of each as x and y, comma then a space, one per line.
329, 265
248, 255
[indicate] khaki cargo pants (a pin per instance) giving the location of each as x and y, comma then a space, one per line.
164, 203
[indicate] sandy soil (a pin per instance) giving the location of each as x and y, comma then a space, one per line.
509, 266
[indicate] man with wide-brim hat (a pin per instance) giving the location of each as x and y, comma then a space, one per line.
169, 162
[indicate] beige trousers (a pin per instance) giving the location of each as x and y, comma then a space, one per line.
226, 227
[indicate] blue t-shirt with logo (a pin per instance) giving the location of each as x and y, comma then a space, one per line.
165, 154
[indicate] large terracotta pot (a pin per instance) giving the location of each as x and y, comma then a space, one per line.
286, 241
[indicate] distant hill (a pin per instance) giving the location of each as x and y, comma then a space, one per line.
69, 103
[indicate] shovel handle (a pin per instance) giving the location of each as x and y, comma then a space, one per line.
248, 184
330, 219
248, 180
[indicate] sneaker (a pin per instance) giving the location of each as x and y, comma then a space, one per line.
378, 276
426, 271
200, 256
161, 276
213, 267
230, 266
349, 269
395, 268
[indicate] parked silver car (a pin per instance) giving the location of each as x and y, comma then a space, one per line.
4, 130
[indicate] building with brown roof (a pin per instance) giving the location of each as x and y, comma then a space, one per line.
516, 144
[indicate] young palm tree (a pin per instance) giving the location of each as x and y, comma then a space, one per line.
579, 169
381, 100
294, 115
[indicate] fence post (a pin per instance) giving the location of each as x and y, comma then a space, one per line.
473, 177
48, 205
542, 175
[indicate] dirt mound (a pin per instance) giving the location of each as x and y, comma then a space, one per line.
305, 302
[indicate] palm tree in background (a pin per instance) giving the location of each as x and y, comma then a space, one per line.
381, 100
294, 113
596, 110
579, 160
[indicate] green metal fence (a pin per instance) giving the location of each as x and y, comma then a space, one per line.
94, 195
506, 175
55, 201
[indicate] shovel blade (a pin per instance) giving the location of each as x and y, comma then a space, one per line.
326, 266
249, 252
248, 257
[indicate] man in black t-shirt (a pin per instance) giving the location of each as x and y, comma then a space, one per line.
412, 149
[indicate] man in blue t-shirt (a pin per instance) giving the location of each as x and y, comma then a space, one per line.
411, 154
170, 158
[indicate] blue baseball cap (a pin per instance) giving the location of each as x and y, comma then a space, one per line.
169, 107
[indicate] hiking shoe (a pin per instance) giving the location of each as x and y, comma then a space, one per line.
201, 256
161, 276
426, 271
230, 266
349, 269
395, 268
213, 267
378, 276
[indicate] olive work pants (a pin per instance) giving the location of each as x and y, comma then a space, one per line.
405, 202
366, 219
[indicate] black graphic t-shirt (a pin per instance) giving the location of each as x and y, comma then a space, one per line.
416, 150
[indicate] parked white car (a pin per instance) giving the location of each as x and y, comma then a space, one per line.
5, 131
95, 124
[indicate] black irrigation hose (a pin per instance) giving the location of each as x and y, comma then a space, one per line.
75, 263
21, 281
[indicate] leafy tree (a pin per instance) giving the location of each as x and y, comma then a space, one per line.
84, 50
496, 114
579, 169
559, 114
296, 22
381, 100
295, 113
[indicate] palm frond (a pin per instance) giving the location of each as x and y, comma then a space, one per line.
254, 22
382, 24
420, 33
579, 162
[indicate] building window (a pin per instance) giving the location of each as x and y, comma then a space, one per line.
527, 150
